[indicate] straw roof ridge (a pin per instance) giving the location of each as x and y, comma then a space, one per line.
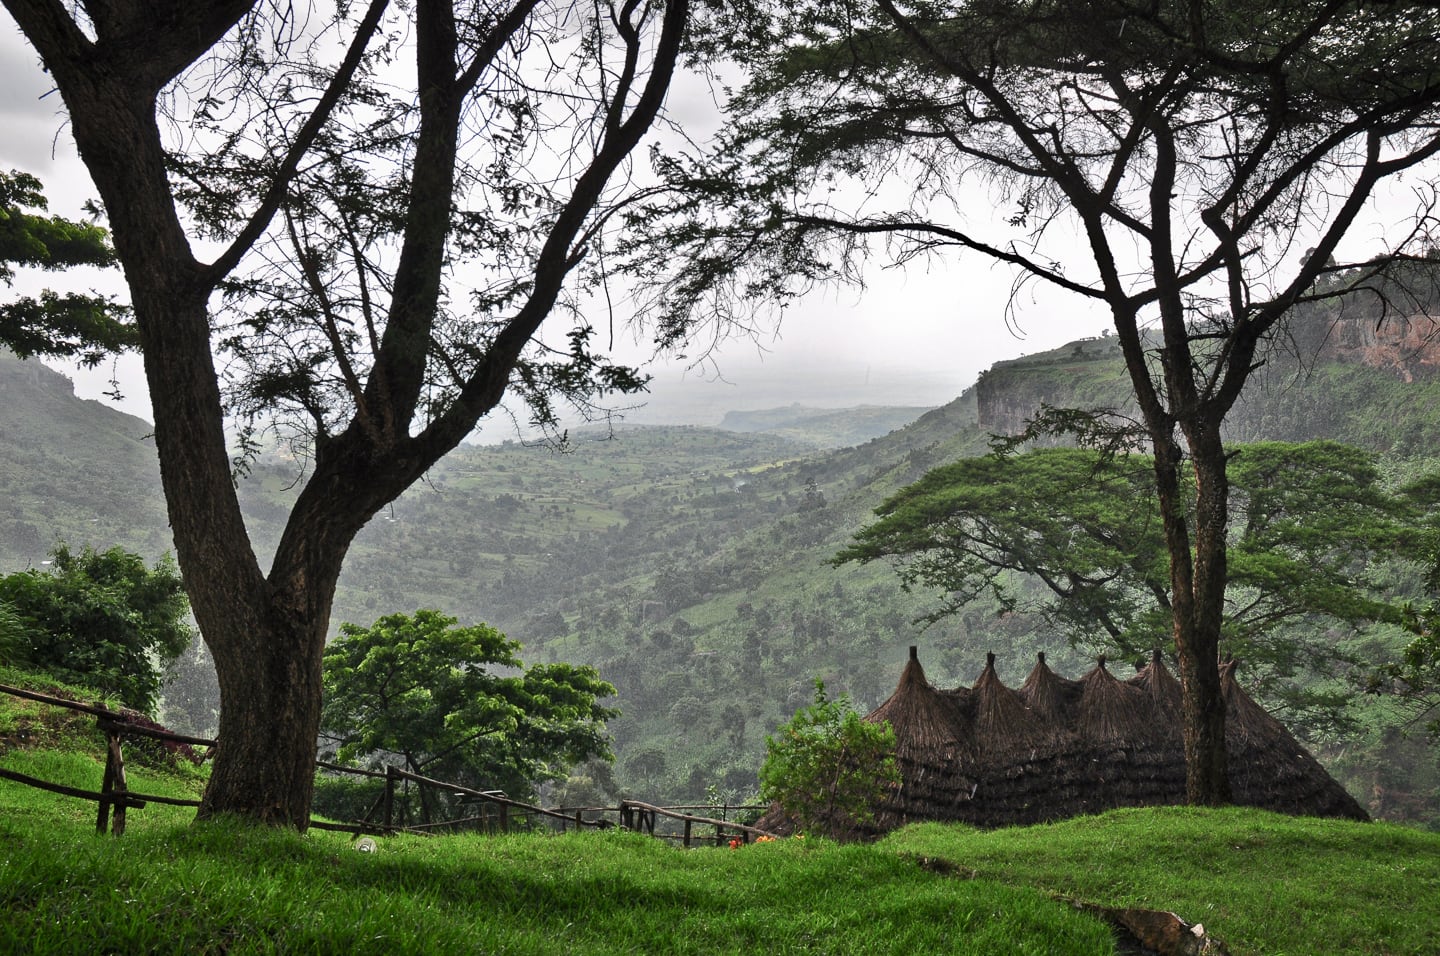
990, 755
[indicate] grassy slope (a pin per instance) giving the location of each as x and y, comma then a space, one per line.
170, 887
1263, 883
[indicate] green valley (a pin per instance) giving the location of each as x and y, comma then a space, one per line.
690, 565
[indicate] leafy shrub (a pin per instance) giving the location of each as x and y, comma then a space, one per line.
828, 767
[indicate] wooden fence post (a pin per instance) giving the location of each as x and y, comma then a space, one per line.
112, 786
389, 798
102, 819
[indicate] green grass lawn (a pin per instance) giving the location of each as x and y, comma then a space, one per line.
170, 887
1266, 885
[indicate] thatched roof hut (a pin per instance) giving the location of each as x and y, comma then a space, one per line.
992, 756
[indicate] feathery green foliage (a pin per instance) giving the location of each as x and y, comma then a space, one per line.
1308, 523
66, 325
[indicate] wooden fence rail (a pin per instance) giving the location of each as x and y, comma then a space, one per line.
635, 815
115, 797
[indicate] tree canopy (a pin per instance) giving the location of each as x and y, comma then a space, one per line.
1191, 169
1310, 524
70, 324
457, 704
351, 222
98, 618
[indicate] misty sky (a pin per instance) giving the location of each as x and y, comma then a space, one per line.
914, 337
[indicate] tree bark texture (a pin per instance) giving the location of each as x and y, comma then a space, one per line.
1197, 556
1199, 614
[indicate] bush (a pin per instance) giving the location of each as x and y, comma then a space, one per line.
828, 767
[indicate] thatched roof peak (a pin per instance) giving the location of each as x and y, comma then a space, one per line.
913, 674
988, 677
1054, 748
1111, 710
1164, 690
1051, 697
1002, 716
926, 721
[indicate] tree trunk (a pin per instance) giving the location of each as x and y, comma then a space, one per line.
264, 768
1207, 780
1197, 584
266, 641
1198, 564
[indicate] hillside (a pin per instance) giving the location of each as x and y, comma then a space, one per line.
690, 564
823, 427
72, 470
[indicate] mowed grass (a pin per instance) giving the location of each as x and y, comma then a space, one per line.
171, 887
1262, 883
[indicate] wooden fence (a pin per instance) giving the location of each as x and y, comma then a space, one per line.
496, 812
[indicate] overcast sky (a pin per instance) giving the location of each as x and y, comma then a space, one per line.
918, 336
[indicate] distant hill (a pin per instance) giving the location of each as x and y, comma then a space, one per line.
72, 470
688, 563
1344, 372
823, 427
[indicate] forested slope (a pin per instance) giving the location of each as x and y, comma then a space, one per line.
690, 564
71, 469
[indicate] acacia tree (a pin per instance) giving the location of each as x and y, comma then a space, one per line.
1308, 523
1188, 167
382, 204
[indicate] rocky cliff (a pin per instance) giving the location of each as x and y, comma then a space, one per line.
1331, 371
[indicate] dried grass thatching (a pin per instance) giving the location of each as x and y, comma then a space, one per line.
1270, 768
1055, 748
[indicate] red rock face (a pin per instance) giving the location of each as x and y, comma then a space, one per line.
1409, 347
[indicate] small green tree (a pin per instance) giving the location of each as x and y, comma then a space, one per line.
103, 619
828, 767
457, 703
